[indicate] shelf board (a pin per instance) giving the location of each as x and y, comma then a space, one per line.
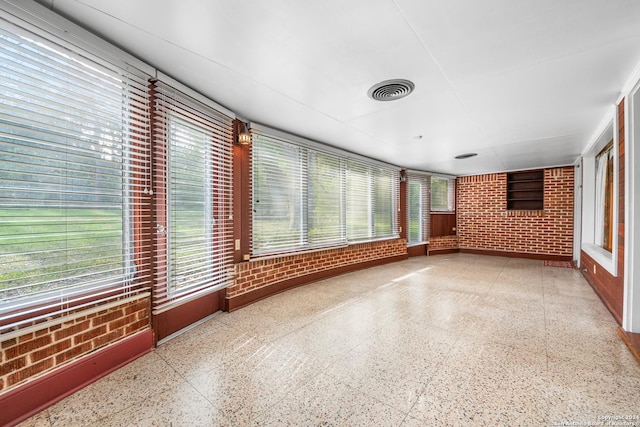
525, 180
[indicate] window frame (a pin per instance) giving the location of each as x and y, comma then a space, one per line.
297, 164
367, 166
451, 194
606, 132
603, 229
173, 101
424, 223
90, 54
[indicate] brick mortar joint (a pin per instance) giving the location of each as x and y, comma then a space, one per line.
63, 319
261, 282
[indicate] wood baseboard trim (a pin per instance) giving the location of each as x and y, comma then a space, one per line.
443, 251
22, 402
255, 295
517, 254
417, 250
633, 342
182, 316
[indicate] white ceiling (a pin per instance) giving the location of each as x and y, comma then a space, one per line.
522, 83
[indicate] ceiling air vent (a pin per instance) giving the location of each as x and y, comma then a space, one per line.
466, 156
390, 90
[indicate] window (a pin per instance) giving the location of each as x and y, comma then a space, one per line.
306, 196
279, 187
371, 201
359, 198
599, 197
443, 194
418, 208
325, 199
73, 170
383, 202
193, 190
189, 205
603, 233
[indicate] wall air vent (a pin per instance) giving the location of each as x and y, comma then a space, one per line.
390, 90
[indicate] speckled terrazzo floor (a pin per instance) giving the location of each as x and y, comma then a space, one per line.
450, 340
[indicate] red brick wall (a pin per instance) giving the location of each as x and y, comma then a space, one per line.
484, 223
611, 288
262, 273
40, 348
443, 242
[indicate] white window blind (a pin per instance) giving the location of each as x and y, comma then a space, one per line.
372, 200
384, 194
193, 190
359, 201
74, 175
325, 198
298, 199
418, 209
279, 191
305, 196
443, 194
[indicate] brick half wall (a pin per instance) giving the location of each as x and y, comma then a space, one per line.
260, 278
485, 224
443, 244
35, 350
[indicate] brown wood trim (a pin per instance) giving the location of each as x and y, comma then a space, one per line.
243, 300
241, 197
443, 251
442, 224
27, 400
171, 321
237, 200
633, 342
417, 250
517, 254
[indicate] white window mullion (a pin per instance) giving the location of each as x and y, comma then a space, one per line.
371, 200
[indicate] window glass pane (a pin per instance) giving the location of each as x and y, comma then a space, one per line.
383, 218
442, 194
277, 196
604, 198
325, 199
65, 171
189, 205
358, 201
415, 211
